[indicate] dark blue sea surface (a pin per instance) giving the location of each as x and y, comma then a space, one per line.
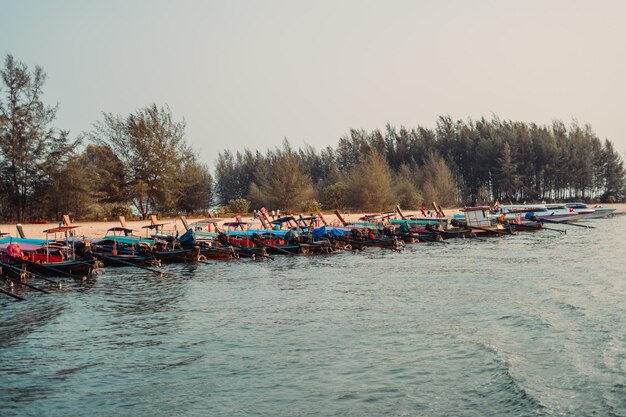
527, 325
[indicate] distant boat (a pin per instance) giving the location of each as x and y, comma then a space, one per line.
551, 212
590, 212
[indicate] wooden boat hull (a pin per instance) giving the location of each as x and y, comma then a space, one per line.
285, 250
526, 227
344, 243
456, 233
431, 235
178, 255
364, 242
78, 268
124, 260
251, 251
488, 231
219, 253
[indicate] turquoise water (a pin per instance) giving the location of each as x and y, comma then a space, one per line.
533, 324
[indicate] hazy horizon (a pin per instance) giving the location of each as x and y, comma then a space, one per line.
247, 74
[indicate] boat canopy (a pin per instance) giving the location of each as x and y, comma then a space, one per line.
477, 208
319, 232
381, 216
250, 232
419, 221
120, 229
26, 247
60, 229
283, 220
9, 239
153, 226
124, 240
207, 221
307, 218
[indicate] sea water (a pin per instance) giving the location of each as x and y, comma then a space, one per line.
526, 325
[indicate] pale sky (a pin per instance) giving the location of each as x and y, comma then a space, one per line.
249, 73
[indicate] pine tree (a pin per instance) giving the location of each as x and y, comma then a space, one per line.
615, 174
507, 178
438, 184
151, 147
31, 150
285, 185
370, 185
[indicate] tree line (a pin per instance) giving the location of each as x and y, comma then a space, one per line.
140, 163
457, 162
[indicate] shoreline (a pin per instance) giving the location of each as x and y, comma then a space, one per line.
98, 229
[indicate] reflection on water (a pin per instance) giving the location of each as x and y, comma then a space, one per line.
526, 325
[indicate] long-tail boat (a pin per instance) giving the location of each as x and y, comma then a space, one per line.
428, 228
360, 236
45, 258
481, 222
206, 249
119, 247
282, 236
299, 233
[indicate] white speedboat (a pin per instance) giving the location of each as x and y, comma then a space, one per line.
590, 212
551, 212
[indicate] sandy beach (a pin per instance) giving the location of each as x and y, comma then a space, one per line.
99, 229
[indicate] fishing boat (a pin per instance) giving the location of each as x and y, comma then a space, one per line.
205, 229
361, 237
430, 228
482, 223
525, 226
246, 248
119, 247
277, 242
207, 248
283, 236
429, 232
299, 232
177, 255
45, 259
339, 238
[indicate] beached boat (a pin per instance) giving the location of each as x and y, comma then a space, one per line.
429, 231
596, 212
119, 247
555, 213
480, 220
45, 259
